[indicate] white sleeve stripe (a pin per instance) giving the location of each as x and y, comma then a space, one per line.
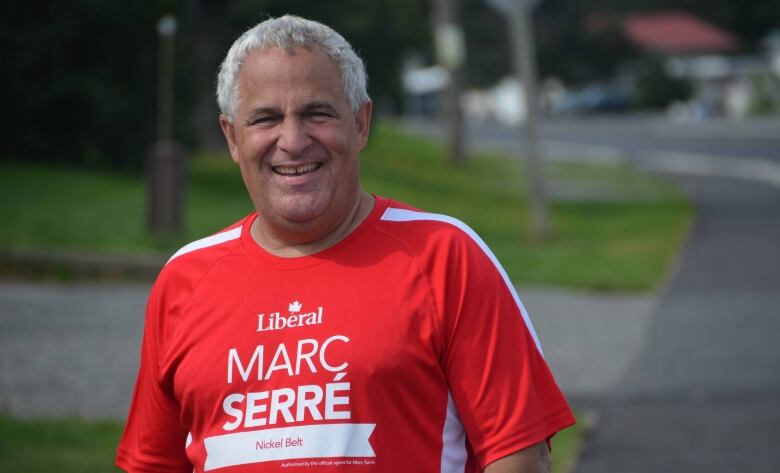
212, 240
453, 439
403, 215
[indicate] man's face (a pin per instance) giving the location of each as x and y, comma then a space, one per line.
296, 139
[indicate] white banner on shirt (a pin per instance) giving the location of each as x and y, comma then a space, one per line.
305, 441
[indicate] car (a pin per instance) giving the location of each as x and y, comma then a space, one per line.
596, 98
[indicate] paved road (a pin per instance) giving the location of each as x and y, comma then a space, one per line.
703, 394
752, 138
635, 134
747, 149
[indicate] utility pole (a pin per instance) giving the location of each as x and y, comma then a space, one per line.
517, 13
451, 54
525, 63
166, 29
166, 158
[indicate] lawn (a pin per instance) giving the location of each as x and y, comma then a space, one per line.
613, 229
66, 446
77, 446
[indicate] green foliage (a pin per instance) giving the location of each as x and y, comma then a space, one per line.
488, 53
765, 95
584, 42
578, 42
656, 88
81, 81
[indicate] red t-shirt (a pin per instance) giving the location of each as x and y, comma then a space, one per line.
402, 348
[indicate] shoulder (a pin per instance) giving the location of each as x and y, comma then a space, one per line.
441, 242
191, 262
441, 245
427, 230
181, 275
211, 245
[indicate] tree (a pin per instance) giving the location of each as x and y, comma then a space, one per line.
581, 42
82, 81
655, 87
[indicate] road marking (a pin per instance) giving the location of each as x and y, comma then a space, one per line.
676, 162
755, 169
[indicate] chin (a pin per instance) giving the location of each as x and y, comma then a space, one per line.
301, 209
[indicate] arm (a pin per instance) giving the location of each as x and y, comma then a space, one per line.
504, 393
154, 438
534, 459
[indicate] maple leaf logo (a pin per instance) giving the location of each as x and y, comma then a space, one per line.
295, 306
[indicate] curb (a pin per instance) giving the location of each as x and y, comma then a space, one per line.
74, 265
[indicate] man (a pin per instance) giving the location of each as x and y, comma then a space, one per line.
331, 330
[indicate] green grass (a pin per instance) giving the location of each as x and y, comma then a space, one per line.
567, 445
56, 207
613, 229
78, 446
66, 446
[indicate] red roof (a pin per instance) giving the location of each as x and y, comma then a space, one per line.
677, 32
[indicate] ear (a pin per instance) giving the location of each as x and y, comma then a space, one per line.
363, 122
230, 135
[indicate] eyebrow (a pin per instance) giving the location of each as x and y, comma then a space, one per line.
319, 105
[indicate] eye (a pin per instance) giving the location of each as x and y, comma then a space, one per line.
318, 115
265, 120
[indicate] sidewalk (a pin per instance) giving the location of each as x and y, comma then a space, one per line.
589, 339
69, 349
702, 394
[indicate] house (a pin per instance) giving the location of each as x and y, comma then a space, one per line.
706, 55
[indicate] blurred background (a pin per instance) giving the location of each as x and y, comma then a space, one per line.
621, 158
89, 69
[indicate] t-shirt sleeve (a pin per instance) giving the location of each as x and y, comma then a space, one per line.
154, 438
503, 390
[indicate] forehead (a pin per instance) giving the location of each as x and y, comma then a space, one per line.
275, 71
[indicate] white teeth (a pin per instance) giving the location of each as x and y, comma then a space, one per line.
288, 171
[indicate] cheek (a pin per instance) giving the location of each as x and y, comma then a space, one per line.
247, 175
255, 146
338, 142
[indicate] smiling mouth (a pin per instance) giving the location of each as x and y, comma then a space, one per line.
296, 170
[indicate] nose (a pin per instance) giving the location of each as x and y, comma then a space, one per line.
293, 137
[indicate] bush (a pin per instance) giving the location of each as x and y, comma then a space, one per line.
655, 88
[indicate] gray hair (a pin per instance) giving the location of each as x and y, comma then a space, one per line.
290, 32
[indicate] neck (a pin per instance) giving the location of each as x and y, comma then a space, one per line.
305, 242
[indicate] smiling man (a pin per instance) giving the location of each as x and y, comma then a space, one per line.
331, 329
